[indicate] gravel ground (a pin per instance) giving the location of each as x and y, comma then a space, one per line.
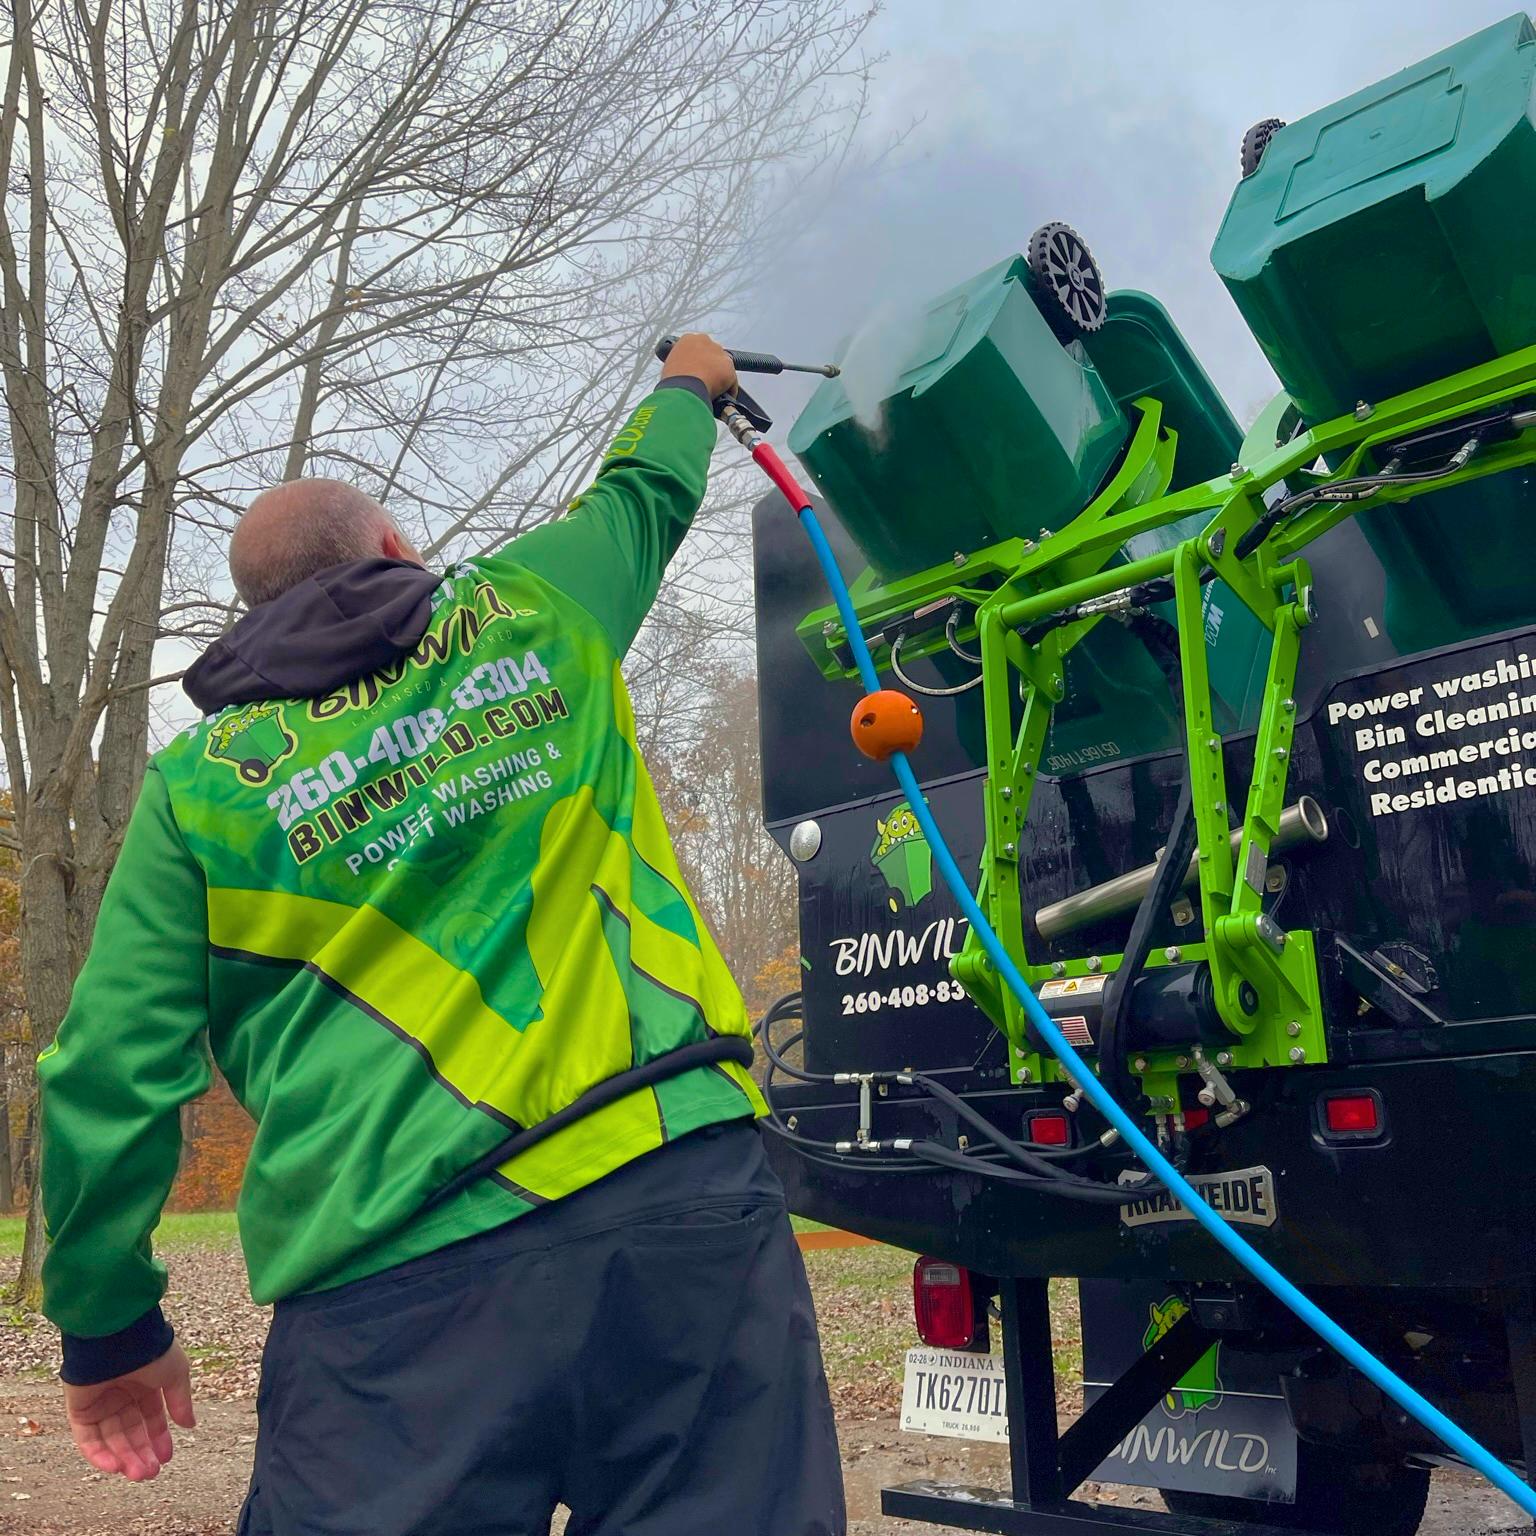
862, 1300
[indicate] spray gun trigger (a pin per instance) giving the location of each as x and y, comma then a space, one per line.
748, 407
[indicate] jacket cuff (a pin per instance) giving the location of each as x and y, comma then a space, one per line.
691, 384
90, 1360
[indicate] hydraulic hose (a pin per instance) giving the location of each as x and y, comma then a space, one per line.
1161, 641
1040, 1166
1409, 1400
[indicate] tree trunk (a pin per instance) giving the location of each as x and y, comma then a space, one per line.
49, 962
7, 1166
28, 1292
26, 1143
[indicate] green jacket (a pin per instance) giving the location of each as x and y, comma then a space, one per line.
433, 905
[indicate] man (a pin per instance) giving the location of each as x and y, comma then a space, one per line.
409, 885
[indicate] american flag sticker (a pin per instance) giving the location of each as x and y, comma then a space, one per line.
1076, 1030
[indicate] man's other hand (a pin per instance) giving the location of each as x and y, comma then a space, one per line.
120, 1425
701, 357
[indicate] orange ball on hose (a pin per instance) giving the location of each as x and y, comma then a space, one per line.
885, 723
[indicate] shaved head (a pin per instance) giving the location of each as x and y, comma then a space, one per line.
303, 526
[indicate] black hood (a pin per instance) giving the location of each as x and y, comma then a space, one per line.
341, 624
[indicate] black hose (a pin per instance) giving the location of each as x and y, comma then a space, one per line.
1094, 1194
700, 1053
1356, 488
1035, 1167
1162, 643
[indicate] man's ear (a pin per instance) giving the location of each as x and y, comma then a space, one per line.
397, 547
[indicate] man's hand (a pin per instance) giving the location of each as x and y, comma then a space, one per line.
700, 357
120, 1425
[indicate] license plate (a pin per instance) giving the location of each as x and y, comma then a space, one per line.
946, 1392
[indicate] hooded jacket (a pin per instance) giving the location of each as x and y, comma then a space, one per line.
408, 885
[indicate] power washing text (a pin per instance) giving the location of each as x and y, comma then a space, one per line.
1430, 724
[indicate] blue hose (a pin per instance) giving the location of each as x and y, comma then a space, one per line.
1259, 1267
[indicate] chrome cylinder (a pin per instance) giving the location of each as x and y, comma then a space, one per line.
1303, 822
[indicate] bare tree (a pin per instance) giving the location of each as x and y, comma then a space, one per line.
709, 778
423, 245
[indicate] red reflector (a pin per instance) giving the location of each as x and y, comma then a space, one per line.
1352, 1113
1195, 1118
1050, 1128
941, 1304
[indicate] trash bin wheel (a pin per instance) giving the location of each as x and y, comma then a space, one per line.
1066, 281
255, 770
1256, 141
1336, 1495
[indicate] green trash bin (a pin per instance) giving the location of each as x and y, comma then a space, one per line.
991, 427
980, 426
1387, 241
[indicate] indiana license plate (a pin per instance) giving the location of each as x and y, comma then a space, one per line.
946, 1392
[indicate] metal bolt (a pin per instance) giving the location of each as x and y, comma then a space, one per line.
805, 841
1213, 743
1045, 533
1024, 1075
793, 1122
1058, 967
1029, 544
1207, 1096
1140, 1063
1173, 954
1288, 705
1181, 1061
1364, 410
1281, 754
829, 629
1026, 768
959, 557
965, 1141
1224, 1058
1183, 912
1296, 1053
1007, 791
1056, 680
1238, 471
1218, 542
885, 1089
1220, 805
1094, 963
1010, 849
1293, 1028
1274, 881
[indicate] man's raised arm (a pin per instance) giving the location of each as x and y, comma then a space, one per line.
612, 548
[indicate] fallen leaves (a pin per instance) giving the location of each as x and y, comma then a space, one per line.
216, 1323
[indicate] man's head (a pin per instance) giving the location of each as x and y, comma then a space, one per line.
304, 526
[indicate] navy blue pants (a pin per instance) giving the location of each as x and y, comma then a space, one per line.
643, 1352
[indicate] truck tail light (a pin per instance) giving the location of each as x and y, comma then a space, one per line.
1352, 1116
942, 1304
1049, 1128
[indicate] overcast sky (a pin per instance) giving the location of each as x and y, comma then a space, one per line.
1122, 119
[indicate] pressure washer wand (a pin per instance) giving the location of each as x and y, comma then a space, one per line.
757, 362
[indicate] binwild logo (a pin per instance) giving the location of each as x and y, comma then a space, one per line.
1201, 1387
1204, 1442
902, 856
253, 740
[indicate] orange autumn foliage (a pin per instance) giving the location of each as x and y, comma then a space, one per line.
216, 1140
